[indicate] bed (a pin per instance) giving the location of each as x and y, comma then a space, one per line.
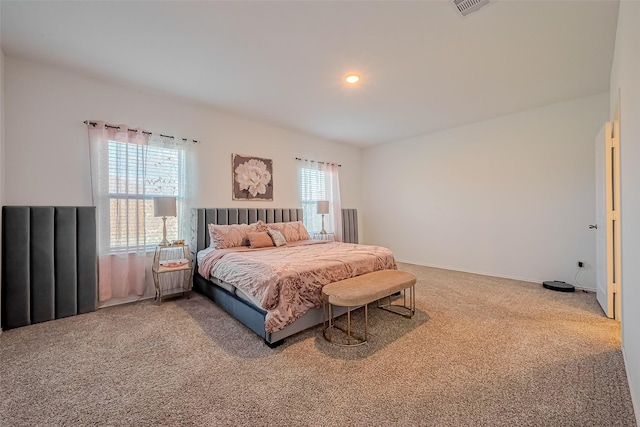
280, 309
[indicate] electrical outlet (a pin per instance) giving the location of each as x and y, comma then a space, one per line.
580, 264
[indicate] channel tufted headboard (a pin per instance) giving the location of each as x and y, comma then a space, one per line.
224, 216
49, 268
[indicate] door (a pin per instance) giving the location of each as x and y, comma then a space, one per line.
608, 218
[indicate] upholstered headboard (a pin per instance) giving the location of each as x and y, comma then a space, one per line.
224, 216
49, 266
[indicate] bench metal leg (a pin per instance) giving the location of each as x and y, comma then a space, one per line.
366, 321
348, 325
403, 310
330, 320
328, 331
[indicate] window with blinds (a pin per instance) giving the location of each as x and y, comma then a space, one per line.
313, 187
138, 173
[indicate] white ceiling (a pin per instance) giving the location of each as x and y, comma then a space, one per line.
423, 67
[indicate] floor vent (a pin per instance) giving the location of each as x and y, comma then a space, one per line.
465, 7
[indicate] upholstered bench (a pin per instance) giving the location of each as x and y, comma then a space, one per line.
362, 290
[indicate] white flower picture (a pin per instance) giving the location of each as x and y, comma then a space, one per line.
252, 178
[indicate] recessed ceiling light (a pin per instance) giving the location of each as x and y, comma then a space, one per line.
352, 79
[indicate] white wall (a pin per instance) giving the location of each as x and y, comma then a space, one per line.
510, 197
47, 157
47, 150
625, 81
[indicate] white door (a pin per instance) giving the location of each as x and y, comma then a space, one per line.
608, 218
605, 298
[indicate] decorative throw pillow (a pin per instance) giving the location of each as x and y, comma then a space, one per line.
303, 234
260, 226
292, 231
277, 237
229, 236
259, 239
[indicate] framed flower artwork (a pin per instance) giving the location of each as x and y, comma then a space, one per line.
252, 178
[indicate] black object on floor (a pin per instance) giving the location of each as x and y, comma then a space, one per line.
559, 286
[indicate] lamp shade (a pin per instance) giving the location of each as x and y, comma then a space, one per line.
164, 206
323, 207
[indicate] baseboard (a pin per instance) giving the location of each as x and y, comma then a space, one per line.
484, 273
126, 300
635, 399
588, 290
481, 273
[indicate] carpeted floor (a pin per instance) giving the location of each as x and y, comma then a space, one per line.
481, 351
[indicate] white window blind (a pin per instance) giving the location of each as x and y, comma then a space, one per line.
137, 173
313, 188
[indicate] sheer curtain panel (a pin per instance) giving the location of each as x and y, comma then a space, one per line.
128, 168
320, 181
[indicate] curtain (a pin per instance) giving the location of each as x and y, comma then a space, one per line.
128, 168
167, 176
320, 181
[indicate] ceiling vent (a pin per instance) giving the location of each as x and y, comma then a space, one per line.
465, 7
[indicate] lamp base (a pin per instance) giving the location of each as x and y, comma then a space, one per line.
323, 231
164, 242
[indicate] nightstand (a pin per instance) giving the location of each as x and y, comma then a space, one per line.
324, 236
172, 271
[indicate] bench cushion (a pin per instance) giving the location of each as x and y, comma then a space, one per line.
367, 288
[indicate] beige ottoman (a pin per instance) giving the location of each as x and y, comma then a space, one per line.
362, 290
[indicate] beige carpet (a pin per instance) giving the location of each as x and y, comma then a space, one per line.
481, 351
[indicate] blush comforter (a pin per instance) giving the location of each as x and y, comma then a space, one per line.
288, 280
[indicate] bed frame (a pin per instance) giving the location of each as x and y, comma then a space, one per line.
251, 316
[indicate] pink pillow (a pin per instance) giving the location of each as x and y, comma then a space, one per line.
259, 239
229, 236
292, 231
260, 226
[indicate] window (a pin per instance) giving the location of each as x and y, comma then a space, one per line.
137, 173
320, 181
312, 189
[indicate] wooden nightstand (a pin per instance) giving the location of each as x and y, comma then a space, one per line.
172, 271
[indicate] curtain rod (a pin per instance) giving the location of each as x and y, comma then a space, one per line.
94, 124
316, 161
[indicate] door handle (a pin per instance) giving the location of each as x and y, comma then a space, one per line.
592, 226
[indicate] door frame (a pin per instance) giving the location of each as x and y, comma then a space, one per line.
612, 200
616, 263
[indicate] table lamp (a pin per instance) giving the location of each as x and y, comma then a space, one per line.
164, 207
322, 209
